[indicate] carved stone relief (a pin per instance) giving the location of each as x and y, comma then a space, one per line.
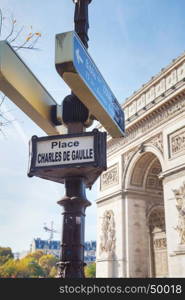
160, 260
176, 142
108, 233
157, 141
160, 243
180, 205
109, 177
153, 181
156, 220
156, 223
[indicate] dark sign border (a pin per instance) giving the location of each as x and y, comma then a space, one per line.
99, 151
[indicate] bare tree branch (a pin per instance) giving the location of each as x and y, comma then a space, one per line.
17, 48
1, 21
17, 35
1, 131
2, 100
34, 42
3, 117
12, 29
30, 41
14, 35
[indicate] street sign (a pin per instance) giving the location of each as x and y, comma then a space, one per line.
19, 84
61, 156
79, 71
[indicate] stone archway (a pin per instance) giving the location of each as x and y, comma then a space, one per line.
131, 187
147, 251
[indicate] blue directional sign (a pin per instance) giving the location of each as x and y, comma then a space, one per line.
103, 105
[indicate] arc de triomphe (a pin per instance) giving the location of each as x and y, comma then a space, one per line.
141, 201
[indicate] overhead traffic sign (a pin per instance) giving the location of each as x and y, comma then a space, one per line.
79, 71
19, 84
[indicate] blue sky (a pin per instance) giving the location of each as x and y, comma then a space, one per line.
130, 41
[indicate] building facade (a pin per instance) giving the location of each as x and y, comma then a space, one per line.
90, 252
53, 247
141, 201
47, 246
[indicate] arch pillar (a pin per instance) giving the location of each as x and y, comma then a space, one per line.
136, 234
110, 253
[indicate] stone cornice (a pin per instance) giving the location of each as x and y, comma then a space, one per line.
177, 89
111, 259
142, 193
163, 74
151, 121
110, 196
172, 171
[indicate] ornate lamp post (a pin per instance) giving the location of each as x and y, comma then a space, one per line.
74, 203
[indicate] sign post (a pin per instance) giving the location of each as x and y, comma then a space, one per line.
78, 158
90, 96
74, 203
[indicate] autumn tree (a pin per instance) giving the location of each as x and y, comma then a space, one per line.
36, 264
28, 267
24, 268
5, 255
47, 262
53, 272
90, 270
35, 255
8, 269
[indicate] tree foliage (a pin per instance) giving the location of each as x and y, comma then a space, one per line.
35, 264
35, 255
29, 267
5, 254
23, 268
47, 262
9, 269
90, 270
53, 272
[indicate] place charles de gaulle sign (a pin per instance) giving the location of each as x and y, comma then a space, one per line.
61, 156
